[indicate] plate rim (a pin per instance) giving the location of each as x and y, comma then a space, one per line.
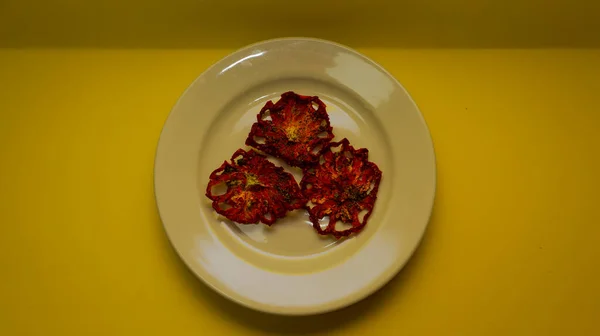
365, 294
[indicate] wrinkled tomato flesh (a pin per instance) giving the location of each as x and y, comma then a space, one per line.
295, 129
256, 190
343, 187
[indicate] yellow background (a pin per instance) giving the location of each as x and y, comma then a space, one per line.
512, 248
362, 23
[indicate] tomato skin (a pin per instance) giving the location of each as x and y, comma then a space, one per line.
257, 190
295, 129
342, 186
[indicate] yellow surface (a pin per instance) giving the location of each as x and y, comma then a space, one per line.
512, 248
364, 23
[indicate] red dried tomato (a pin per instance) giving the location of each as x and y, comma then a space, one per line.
341, 187
257, 190
292, 129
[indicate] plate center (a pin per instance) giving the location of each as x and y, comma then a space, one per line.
293, 235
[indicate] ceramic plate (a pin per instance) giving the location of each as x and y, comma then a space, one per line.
288, 268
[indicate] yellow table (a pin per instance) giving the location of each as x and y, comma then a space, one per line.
513, 247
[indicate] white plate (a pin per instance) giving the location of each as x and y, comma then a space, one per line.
288, 268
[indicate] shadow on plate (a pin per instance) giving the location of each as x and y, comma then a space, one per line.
279, 324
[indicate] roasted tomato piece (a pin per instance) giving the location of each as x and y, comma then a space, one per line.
342, 187
295, 129
256, 189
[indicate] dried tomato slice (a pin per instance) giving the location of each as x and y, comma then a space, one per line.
296, 129
343, 185
257, 190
